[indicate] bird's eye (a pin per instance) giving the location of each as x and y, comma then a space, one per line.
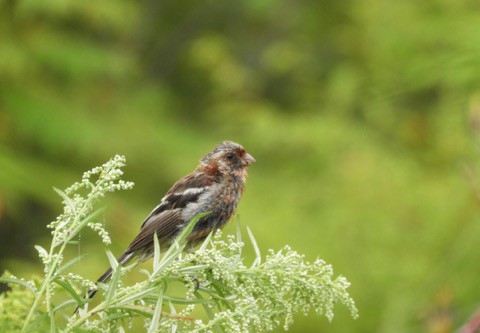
230, 156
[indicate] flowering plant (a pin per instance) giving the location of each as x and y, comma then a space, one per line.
214, 279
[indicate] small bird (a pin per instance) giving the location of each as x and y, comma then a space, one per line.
215, 186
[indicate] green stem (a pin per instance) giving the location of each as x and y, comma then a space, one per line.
44, 286
119, 297
82, 319
46, 282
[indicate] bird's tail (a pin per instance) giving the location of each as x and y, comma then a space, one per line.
122, 260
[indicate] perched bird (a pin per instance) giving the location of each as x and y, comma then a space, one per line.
215, 186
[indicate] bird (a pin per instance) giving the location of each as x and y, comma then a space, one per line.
214, 187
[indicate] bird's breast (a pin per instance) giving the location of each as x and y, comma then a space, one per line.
221, 200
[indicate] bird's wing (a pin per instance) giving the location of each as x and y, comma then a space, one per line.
166, 224
166, 219
183, 192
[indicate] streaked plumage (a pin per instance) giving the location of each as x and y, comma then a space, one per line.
215, 186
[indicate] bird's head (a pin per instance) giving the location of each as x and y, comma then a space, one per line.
227, 158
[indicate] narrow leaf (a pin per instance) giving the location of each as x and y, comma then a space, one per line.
258, 258
177, 300
116, 271
178, 245
206, 306
41, 251
156, 314
133, 297
17, 281
156, 251
206, 241
64, 196
69, 264
68, 288
145, 311
189, 227
113, 261
174, 312
239, 231
65, 304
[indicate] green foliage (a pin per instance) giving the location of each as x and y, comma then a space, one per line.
77, 214
358, 113
15, 304
234, 296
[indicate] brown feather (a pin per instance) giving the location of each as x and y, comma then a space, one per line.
166, 225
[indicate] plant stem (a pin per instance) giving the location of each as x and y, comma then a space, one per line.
47, 281
82, 319
45, 284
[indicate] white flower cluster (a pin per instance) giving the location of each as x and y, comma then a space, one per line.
264, 296
259, 298
70, 277
98, 227
78, 213
78, 206
235, 296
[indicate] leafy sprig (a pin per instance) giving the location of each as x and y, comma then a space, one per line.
219, 291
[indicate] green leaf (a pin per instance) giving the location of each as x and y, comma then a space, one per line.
41, 251
142, 310
64, 196
258, 258
145, 271
207, 308
178, 245
112, 287
113, 261
178, 300
239, 230
157, 313
68, 288
17, 281
135, 296
156, 251
65, 304
193, 268
69, 264
206, 241
220, 289
189, 227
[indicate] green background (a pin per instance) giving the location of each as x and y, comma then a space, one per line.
363, 117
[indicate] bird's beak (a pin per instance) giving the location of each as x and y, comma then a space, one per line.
248, 159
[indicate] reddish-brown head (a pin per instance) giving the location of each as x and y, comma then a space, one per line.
228, 158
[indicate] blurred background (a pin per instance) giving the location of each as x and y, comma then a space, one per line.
363, 117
